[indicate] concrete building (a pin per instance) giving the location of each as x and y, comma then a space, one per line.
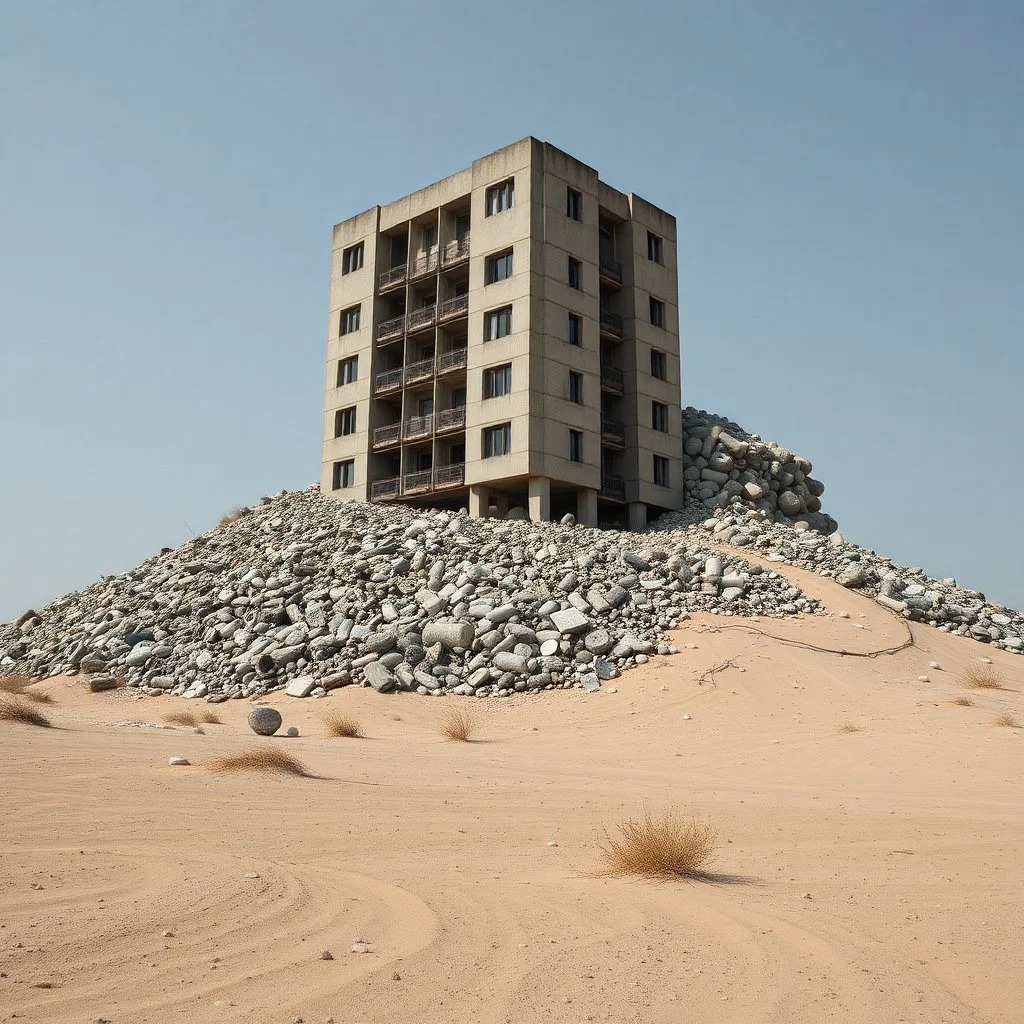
507, 337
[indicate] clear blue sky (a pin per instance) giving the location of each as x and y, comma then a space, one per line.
847, 180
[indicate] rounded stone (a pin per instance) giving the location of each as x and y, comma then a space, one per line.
264, 721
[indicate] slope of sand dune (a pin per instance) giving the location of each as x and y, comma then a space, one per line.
865, 875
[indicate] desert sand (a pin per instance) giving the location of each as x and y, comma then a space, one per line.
872, 875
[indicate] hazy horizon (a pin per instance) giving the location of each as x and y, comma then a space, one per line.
846, 183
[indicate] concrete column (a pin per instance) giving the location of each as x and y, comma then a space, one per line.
540, 499
501, 505
586, 506
638, 515
479, 502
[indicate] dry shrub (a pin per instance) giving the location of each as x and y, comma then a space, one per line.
233, 516
18, 683
16, 708
457, 727
982, 677
186, 718
849, 727
210, 718
964, 702
342, 726
670, 846
1007, 722
259, 759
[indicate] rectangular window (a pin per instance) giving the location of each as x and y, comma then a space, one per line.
499, 267
500, 197
352, 258
430, 238
348, 371
345, 422
344, 474
661, 470
659, 364
575, 273
657, 312
659, 417
497, 440
573, 204
575, 387
575, 446
349, 320
575, 336
497, 381
497, 323
653, 248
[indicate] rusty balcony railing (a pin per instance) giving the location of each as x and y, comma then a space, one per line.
453, 360
420, 318
457, 306
389, 380
425, 264
422, 370
418, 426
391, 434
613, 487
393, 277
613, 434
611, 270
390, 328
456, 251
390, 488
417, 483
450, 476
451, 419
611, 323
612, 380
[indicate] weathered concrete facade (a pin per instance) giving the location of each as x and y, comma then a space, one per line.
507, 337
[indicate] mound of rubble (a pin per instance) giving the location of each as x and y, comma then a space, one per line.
310, 594
905, 590
724, 466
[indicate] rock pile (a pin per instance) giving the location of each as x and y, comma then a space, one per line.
906, 590
309, 594
724, 466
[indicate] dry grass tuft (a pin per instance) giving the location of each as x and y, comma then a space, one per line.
233, 516
342, 726
210, 718
963, 702
1007, 722
849, 727
982, 677
16, 708
18, 683
186, 718
259, 759
670, 846
457, 727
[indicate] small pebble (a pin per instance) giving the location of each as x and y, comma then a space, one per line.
326, 955
924, 679
686, 718
293, 731
934, 664
178, 761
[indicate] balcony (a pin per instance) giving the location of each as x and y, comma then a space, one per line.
418, 426
393, 278
613, 488
613, 434
611, 323
453, 308
611, 271
422, 370
389, 380
612, 380
384, 436
453, 360
390, 488
425, 264
456, 252
387, 329
418, 483
420, 318
449, 476
451, 419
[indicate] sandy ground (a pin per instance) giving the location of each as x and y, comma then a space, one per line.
872, 875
